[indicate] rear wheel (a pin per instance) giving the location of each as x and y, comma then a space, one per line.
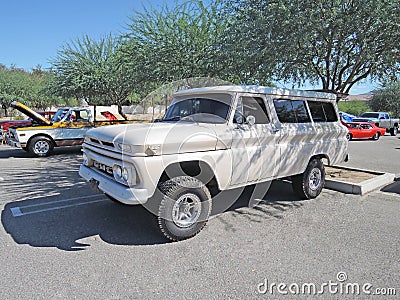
394, 131
309, 184
40, 146
184, 208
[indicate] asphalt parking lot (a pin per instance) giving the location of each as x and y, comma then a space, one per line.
59, 239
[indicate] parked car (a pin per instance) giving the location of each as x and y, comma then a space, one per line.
67, 127
214, 139
364, 130
5, 125
380, 119
346, 117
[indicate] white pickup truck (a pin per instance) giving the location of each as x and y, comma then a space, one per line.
211, 140
380, 119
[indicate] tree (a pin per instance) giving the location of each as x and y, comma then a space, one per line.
177, 42
387, 98
337, 43
27, 87
93, 70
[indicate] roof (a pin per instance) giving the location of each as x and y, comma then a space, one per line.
259, 90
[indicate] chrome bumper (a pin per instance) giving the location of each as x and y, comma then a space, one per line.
122, 193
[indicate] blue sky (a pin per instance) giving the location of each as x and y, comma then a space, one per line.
31, 31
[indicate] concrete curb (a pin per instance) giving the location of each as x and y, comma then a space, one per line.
381, 179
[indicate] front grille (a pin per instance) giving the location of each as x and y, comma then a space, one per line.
100, 142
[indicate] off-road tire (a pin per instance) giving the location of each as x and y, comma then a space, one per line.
175, 192
40, 146
309, 184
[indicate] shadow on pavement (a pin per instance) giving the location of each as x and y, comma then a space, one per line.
79, 227
393, 187
8, 152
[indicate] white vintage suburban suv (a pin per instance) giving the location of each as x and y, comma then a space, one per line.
214, 139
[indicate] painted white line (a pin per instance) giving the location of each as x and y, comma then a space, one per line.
61, 201
16, 211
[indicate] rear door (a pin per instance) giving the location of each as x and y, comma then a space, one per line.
297, 135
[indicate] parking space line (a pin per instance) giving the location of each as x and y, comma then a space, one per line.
60, 201
18, 211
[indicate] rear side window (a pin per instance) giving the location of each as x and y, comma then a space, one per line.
322, 111
291, 111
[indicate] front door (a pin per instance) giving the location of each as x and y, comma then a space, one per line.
254, 148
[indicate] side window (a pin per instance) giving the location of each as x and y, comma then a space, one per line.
251, 106
291, 111
322, 111
317, 112
330, 112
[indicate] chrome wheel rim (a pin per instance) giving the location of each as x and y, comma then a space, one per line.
315, 179
41, 147
186, 210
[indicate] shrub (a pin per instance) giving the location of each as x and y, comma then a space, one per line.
354, 107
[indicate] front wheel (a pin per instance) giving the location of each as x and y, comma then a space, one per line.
40, 146
184, 208
309, 184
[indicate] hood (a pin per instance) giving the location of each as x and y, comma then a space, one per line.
30, 113
361, 119
156, 138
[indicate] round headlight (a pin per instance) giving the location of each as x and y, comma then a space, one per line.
118, 171
125, 174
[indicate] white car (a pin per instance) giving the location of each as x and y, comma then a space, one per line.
66, 128
215, 139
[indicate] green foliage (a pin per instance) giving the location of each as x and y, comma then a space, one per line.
19, 85
93, 70
177, 42
387, 98
337, 43
354, 107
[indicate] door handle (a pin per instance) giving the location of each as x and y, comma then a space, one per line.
275, 129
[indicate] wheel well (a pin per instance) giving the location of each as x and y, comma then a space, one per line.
323, 157
41, 135
197, 169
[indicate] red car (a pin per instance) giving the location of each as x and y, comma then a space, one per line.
364, 130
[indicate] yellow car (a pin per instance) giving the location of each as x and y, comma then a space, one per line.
66, 128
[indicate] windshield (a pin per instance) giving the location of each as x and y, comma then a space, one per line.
60, 114
370, 115
203, 109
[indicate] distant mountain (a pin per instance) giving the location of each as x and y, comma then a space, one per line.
360, 97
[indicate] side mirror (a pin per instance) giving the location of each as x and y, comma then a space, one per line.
251, 120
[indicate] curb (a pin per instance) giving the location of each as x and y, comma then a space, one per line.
380, 179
